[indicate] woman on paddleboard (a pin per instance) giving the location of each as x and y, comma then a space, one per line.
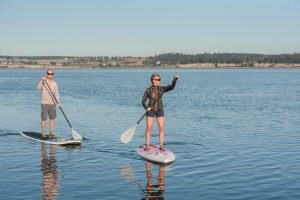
155, 107
48, 106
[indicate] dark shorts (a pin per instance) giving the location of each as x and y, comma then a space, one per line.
48, 110
155, 113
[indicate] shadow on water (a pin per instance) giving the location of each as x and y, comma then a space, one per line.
50, 174
154, 187
4, 132
71, 147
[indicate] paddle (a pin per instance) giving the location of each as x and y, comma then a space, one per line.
128, 134
75, 134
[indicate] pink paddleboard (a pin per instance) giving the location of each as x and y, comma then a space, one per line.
156, 155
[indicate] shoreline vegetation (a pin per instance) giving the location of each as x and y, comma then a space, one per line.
169, 60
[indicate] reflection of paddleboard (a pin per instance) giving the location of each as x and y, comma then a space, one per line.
57, 140
156, 155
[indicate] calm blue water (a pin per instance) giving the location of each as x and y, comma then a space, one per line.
235, 133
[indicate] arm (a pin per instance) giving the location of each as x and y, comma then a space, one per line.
40, 85
171, 87
144, 100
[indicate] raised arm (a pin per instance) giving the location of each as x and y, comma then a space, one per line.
172, 86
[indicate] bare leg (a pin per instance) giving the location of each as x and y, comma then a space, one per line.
149, 187
148, 130
43, 124
160, 121
161, 179
51, 125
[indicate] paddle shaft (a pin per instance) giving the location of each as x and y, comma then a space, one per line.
56, 101
155, 101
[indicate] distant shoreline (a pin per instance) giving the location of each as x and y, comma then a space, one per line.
165, 61
180, 66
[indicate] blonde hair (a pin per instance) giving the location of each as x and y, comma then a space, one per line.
154, 75
155, 90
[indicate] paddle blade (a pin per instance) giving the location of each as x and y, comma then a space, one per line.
128, 134
76, 135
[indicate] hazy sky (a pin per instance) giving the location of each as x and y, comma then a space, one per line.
148, 27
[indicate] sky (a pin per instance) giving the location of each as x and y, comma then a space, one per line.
148, 27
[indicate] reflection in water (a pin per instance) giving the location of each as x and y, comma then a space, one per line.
155, 191
154, 188
50, 178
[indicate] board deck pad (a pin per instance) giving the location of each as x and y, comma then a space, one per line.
154, 154
56, 140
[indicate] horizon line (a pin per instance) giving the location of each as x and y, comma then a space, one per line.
144, 55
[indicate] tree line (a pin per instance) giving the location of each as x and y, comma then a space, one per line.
244, 59
222, 58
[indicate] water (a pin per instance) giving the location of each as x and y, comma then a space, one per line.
235, 133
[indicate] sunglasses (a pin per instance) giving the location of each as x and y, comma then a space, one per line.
50, 73
157, 79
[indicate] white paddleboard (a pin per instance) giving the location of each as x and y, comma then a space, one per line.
57, 140
154, 154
